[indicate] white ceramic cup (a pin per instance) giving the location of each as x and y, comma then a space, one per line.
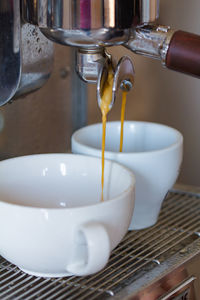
52, 220
152, 151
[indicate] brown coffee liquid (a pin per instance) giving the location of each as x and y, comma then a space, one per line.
105, 108
124, 94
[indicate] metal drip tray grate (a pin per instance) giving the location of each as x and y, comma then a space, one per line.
138, 254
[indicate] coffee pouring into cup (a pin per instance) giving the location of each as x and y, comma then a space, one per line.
52, 222
152, 151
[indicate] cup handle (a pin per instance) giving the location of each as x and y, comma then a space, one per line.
98, 250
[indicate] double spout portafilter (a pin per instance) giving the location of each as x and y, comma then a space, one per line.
92, 25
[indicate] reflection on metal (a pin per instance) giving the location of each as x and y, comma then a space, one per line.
26, 56
124, 75
151, 41
89, 63
180, 292
10, 52
37, 59
109, 7
123, 78
149, 10
161, 262
86, 23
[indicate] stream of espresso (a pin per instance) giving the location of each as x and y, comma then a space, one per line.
105, 108
124, 94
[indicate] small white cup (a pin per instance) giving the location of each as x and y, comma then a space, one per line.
152, 151
52, 220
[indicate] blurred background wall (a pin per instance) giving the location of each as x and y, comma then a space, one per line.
44, 121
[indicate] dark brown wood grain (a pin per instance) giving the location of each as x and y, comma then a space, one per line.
184, 53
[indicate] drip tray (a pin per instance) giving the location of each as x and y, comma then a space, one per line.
140, 260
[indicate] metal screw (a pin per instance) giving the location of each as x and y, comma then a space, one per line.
126, 86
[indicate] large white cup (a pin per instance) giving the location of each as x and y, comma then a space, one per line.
52, 220
152, 151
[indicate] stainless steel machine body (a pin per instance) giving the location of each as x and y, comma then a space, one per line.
89, 24
26, 56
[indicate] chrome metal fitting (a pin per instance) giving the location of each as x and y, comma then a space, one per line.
87, 24
123, 79
26, 55
165, 46
89, 62
151, 41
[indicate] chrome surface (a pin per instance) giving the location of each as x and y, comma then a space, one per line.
10, 52
124, 75
26, 56
165, 46
182, 295
151, 41
36, 57
90, 62
149, 11
89, 23
123, 78
161, 262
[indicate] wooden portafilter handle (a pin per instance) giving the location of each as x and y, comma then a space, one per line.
183, 54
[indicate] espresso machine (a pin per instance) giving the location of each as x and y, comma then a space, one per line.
161, 262
89, 26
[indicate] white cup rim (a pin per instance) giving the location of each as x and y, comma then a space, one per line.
177, 143
125, 192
